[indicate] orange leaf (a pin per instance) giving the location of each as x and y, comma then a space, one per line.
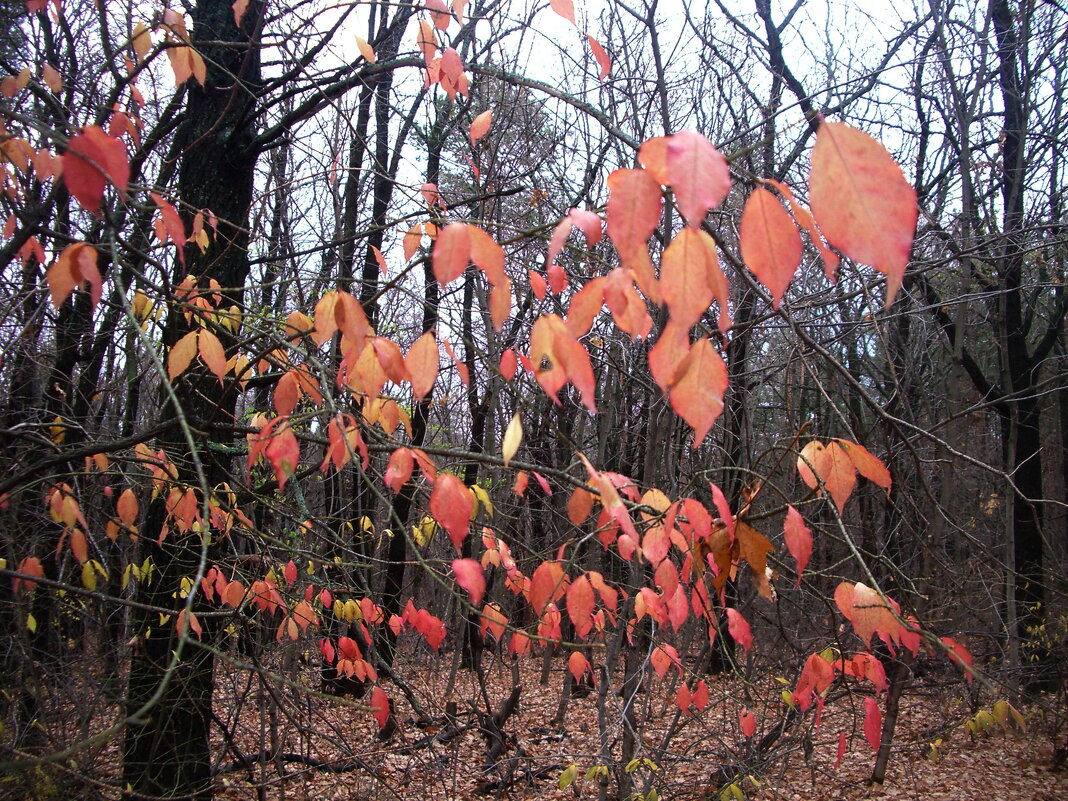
487, 255
127, 508
239, 7
580, 603
452, 253
212, 353
584, 307
422, 363
92, 160
601, 57
366, 50
667, 354
867, 465
771, 246
632, 211
747, 722
181, 355
697, 393
862, 202
577, 665
558, 358
493, 621
469, 576
75, 265
547, 585
841, 476
53, 80
698, 175
480, 126
684, 270
579, 506
451, 504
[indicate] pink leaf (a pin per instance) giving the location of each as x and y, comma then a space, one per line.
470, 577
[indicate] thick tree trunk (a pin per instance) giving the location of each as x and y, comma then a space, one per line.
166, 750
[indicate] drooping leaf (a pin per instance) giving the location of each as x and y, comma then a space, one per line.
421, 362
547, 585
697, 393
513, 436
601, 57
867, 465
380, 706
738, 627
212, 353
798, 539
399, 469
633, 212
181, 355
862, 202
577, 665
480, 126
91, 161
771, 246
816, 676
873, 723
75, 265
698, 175
565, 8
451, 504
746, 722
452, 253
580, 602
469, 576
841, 750
684, 270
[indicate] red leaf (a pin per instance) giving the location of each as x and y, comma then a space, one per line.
683, 698
663, 657
290, 573
380, 706
873, 723
747, 722
700, 695
537, 285
841, 750
798, 538
816, 676
508, 365
91, 161
580, 601
723, 509
451, 504
698, 175
862, 202
960, 655
771, 246
399, 469
469, 576
738, 627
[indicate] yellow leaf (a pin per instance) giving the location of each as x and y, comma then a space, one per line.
483, 500
513, 436
31, 624
88, 576
58, 430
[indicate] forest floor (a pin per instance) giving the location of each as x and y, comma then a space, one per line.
332, 749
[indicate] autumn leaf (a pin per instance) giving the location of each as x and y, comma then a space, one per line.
738, 627
513, 436
684, 270
452, 253
577, 665
565, 8
547, 585
698, 175
771, 246
421, 362
212, 353
451, 504
867, 465
601, 57
697, 393
366, 51
873, 723
480, 126
181, 355
380, 707
580, 602
469, 576
798, 539
91, 161
75, 265
747, 722
632, 211
862, 202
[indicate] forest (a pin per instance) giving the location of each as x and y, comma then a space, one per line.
504, 399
